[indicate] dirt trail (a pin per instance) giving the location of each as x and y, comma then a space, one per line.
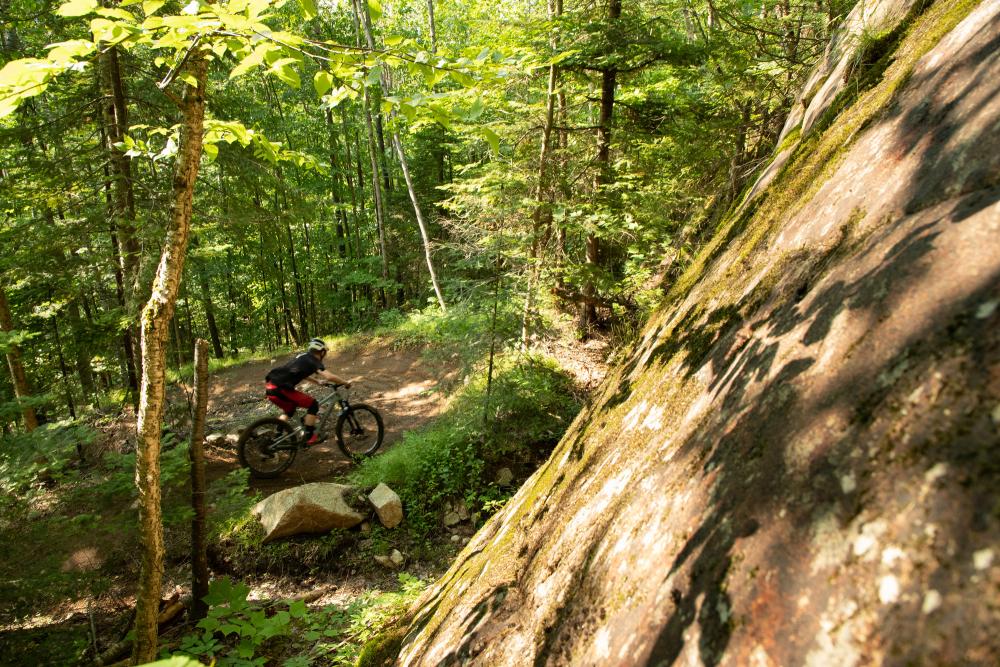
398, 382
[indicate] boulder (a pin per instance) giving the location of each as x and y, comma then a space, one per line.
451, 519
310, 508
387, 504
215, 439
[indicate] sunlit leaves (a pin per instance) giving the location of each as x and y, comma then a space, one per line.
308, 8
77, 8
322, 82
284, 70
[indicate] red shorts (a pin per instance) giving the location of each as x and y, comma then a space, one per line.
288, 399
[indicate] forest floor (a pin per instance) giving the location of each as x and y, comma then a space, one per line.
51, 604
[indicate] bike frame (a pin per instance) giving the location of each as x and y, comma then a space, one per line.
295, 435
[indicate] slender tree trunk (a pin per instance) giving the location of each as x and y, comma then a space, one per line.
430, 22
21, 390
593, 245
199, 555
123, 210
401, 154
64, 371
206, 302
379, 202
542, 217
155, 322
83, 368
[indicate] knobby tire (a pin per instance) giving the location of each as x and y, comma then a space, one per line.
360, 431
253, 452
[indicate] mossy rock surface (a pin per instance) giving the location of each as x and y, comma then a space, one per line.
798, 463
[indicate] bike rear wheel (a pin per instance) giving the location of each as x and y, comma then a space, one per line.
360, 431
257, 449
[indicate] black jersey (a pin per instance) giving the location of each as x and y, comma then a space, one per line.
295, 371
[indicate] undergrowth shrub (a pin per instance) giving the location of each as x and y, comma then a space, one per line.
530, 405
240, 632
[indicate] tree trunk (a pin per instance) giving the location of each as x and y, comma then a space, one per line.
542, 217
199, 555
155, 322
379, 202
21, 390
430, 22
206, 302
593, 244
123, 210
398, 144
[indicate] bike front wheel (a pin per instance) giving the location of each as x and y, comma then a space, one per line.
360, 431
260, 452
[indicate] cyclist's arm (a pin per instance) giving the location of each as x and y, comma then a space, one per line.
325, 376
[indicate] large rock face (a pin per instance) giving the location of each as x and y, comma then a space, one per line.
800, 462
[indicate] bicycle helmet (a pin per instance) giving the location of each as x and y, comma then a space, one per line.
316, 345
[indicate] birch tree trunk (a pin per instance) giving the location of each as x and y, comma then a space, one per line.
155, 328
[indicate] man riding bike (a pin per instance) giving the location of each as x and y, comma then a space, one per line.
281, 382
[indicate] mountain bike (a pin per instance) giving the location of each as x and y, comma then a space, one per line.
268, 446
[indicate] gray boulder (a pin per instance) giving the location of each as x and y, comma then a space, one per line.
387, 504
310, 508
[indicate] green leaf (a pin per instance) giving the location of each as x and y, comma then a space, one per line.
297, 609
150, 7
284, 70
77, 8
308, 8
255, 59
393, 40
491, 137
462, 79
476, 110
211, 150
375, 9
189, 79
68, 52
322, 82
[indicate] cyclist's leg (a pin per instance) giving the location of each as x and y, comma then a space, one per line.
277, 396
311, 405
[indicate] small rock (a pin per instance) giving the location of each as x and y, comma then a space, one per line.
232, 438
215, 439
995, 415
387, 504
366, 528
452, 518
465, 540
456, 538
505, 476
397, 558
383, 560
462, 510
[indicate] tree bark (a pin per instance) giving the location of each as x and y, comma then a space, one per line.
155, 323
593, 245
199, 555
21, 390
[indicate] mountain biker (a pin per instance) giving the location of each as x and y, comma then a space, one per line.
281, 382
